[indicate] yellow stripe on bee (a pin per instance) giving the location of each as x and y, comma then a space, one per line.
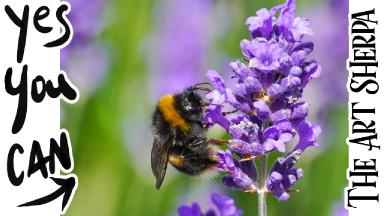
175, 160
167, 108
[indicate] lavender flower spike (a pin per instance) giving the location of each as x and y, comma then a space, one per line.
265, 104
225, 205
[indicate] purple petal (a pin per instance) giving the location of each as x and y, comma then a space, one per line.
215, 97
308, 135
280, 146
216, 79
284, 125
249, 168
240, 70
271, 132
261, 24
265, 54
215, 116
286, 137
311, 70
300, 28
269, 145
306, 46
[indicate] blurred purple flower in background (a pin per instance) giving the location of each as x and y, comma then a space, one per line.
332, 53
83, 59
265, 110
177, 51
224, 204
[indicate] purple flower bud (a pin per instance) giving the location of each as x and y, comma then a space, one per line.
295, 71
286, 62
262, 109
283, 175
280, 115
252, 85
239, 89
290, 82
275, 90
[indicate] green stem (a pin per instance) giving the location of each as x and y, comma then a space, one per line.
262, 194
262, 204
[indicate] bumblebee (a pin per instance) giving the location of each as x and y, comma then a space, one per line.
180, 135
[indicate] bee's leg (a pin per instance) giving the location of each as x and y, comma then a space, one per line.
198, 142
248, 158
217, 141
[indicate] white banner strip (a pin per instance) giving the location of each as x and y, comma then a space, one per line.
363, 196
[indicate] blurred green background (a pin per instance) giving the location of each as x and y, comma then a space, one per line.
109, 126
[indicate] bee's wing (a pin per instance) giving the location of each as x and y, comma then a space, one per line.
159, 158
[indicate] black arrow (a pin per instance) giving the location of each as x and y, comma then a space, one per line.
67, 185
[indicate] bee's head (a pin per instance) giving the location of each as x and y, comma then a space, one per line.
190, 103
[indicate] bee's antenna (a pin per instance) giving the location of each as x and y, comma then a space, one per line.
207, 104
203, 83
198, 86
217, 141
